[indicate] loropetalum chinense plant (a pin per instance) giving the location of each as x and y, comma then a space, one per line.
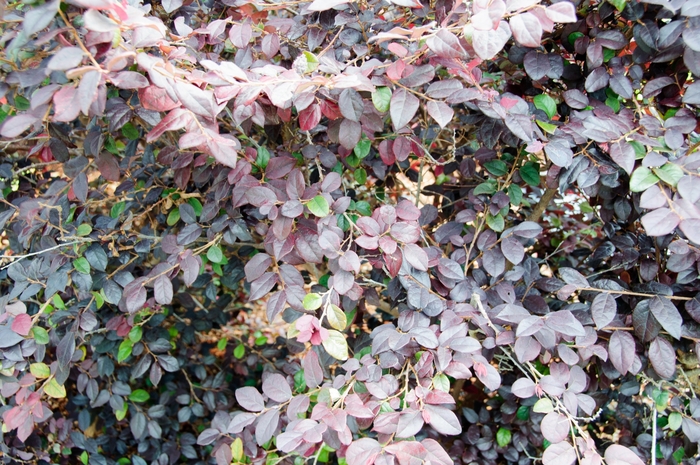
350, 232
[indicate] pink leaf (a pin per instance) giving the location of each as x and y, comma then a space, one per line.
22, 324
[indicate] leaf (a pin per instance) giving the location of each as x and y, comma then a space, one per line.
621, 350
616, 454
276, 388
139, 396
40, 370
660, 222
214, 254
313, 373
440, 112
503, 437
442, 419
487, 44
323, 5
350, 104
526, 29
562, 453
381, 98
403, 107
555, 427
22, 324
336, 318
561, 12
55, 390
523, 388
125, 349
40, 17
336, 345
543, 405
81, 265
623, 154
319, 206
603, 309
312, 301
546, 103
208, 436
266, 426
445, 44
662, 357
642, 179
250, 399
163, 290
363, 452
410, 423
565, 322
667, 315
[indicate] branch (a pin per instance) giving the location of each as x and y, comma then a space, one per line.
542, 205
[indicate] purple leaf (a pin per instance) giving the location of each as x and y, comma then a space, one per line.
402, 108
527, 29
667, 315
363, 452
442, 419
250, 399
562, 453
660, 222
616, 454
603, 309
276, 388
662, 357
621, 350
266, 426
487, 44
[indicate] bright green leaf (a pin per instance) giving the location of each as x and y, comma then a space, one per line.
441, 382
360, 176
642, 179
336, 345
503, 437
84, 230
496, 167
196, 205
674, 421
239, 351
530, 172
363, 208
319, 206
125, 349
670, 173
221, 344
361, 150
139, 395
215, 254
263, 157
41, 336
336, 317
515, 193
117, 209
40, 370
497, 223
173, 217
546, 103
130, 131
81, 264
135, 334
381, 99
544, 405
312, 301
55, 390
549, 128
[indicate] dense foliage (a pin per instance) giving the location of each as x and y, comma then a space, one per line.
352, 232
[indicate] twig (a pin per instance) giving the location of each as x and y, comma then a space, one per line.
20, 257
653, 435
542, 205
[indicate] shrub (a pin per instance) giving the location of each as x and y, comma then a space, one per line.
350, 232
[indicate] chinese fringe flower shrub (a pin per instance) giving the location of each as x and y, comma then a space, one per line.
356, 232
